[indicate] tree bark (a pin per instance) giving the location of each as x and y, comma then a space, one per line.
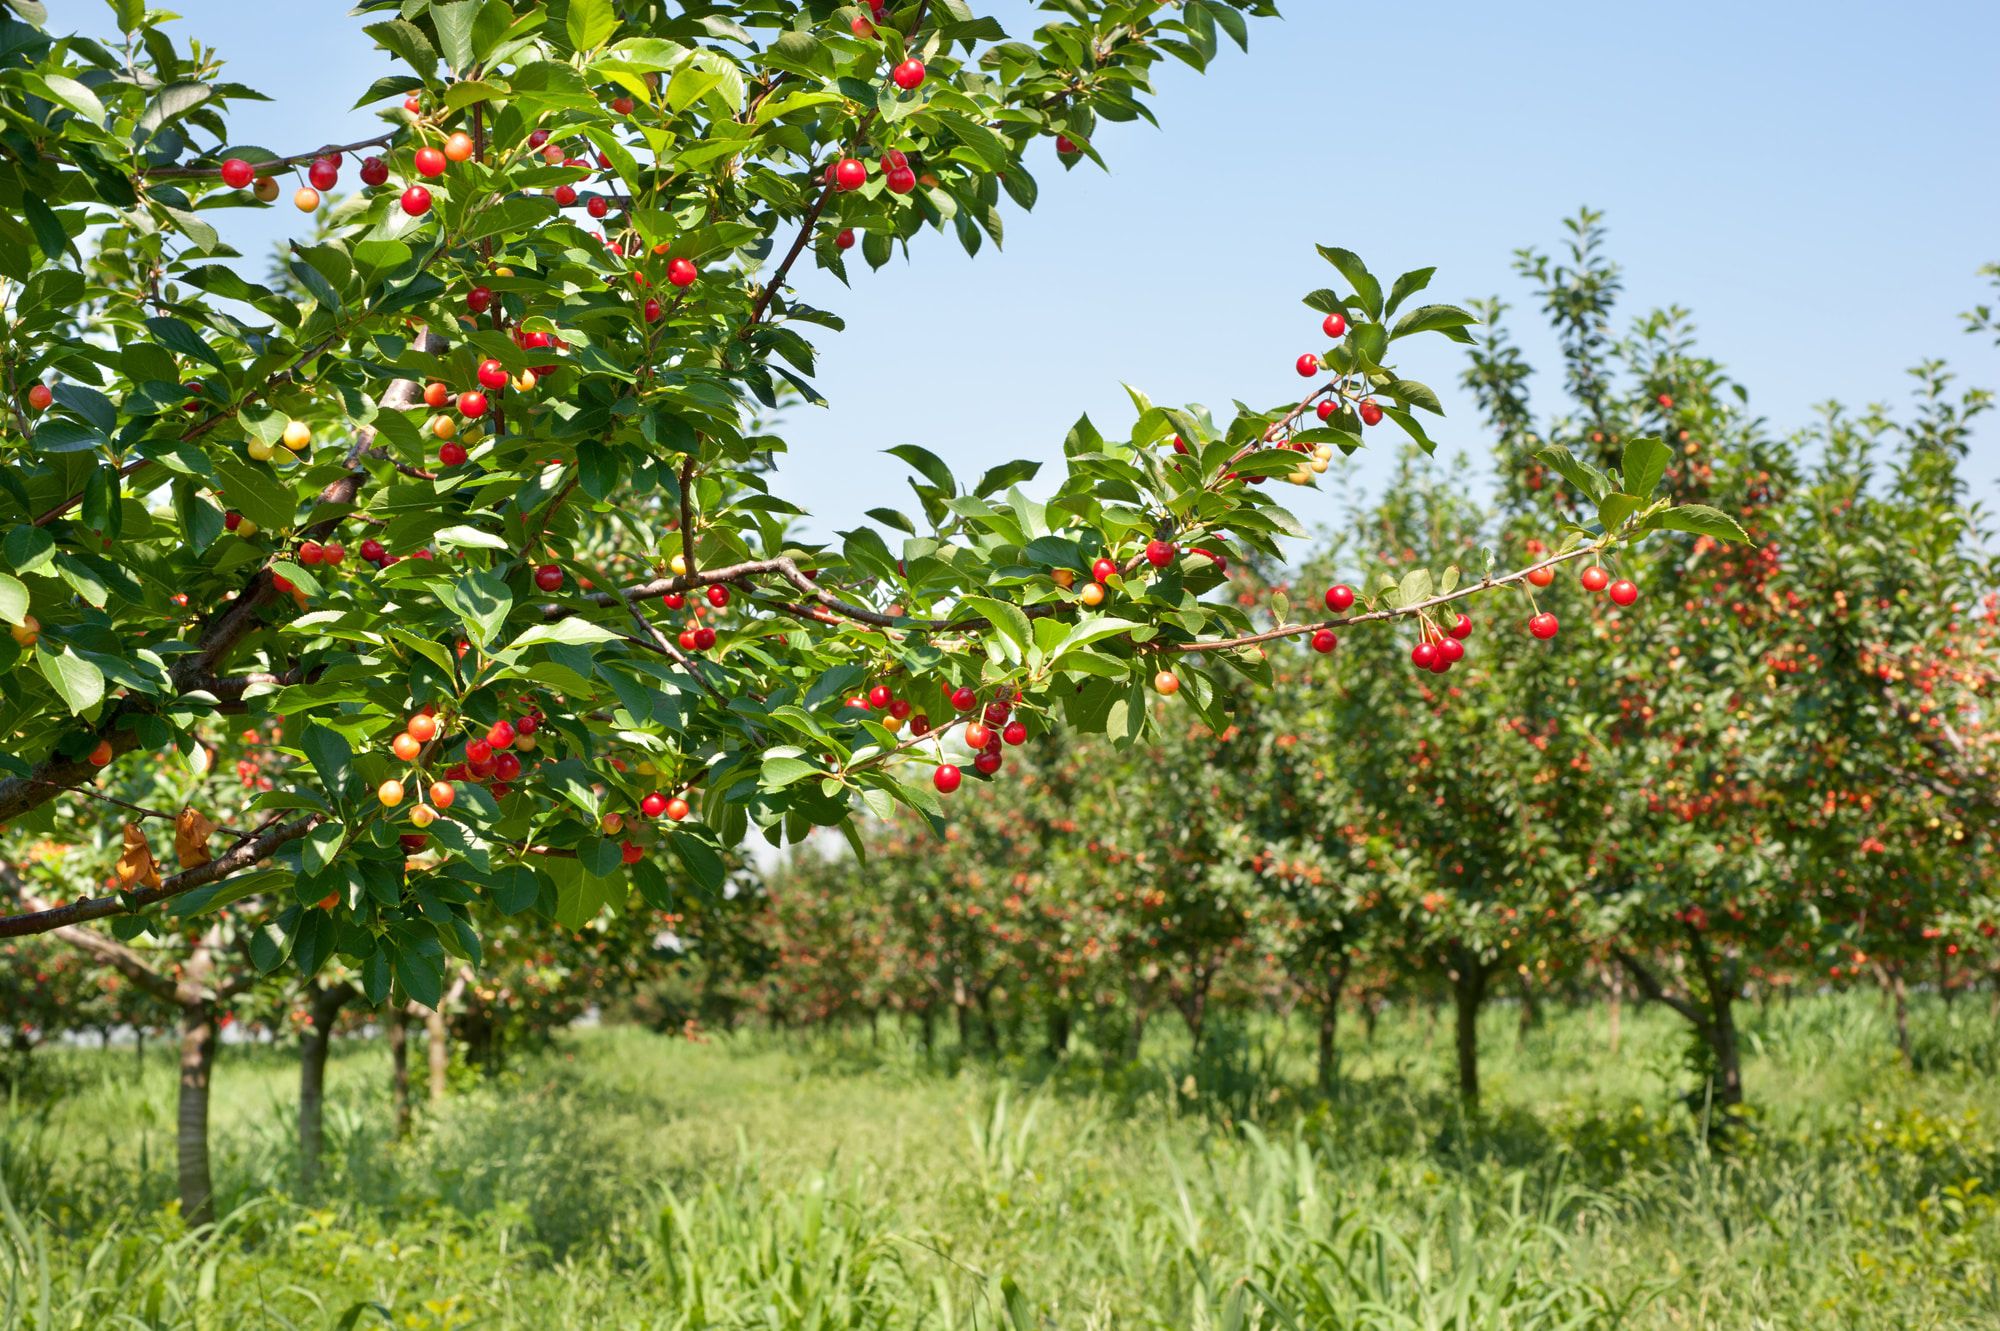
399, 1069
1057, 1043
323, 1009
437, 1039
1468, 991
1899, 994
1135, 1041
1616, 1008
1328, 1064
197, 1186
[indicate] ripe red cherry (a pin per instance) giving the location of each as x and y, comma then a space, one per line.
333, 554
653, 311
899, 708
909, 74
1159, 553
1543, 625
880, 697
492, 374
479, 300
564, 195
549, 578
1541, 577
598, 205
1370, 413
901, 179
412, 842
1015, 733
845, 240
893, 158
478, 751
324, 172
372, 551
1326, 408
863, 29
1324, 641
681, 272
1423, 656
436, 395
850, 173
622, 105
1624, 592
1065, 147
1103, 570
374, 171
997, 712
988, 762
1308, 365
1334, 325
977, 735
673, 600
311, 552
1594, 579
920, 725
506, 767
946, 778
630, 853
236, 173
1451, 649
964, 699
1461, 628
718, 596
653, 805
1339, 597
416, 201
472, 404
687, 640
430, 162
39, 397
704, 638
452, 454
500, 734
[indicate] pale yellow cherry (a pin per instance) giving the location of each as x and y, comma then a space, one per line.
679, 565
259, 450
297, 436
444, 427
423, 815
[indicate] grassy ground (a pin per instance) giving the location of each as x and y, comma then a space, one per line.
626, 1180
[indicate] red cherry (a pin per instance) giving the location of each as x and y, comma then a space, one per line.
704, 638
1326, 408
901, 179
371, 550
964, 699
681, 273
630, 853
324, 173
430, 162
1624, 592
506, 766
997, 712
687, 640
333, 554
479, 300
653, 805
1594, 579
549, 578
492, 374
500, 734
39, 397
677, 808
1423, 656
283, 583
1543, 625
909, 74
1541, 577
1334, 325
718, 596
412, 842
946, 778
1064, 147
452, 454
598, 205
374, 171
673, 600
880, 697
1159, 553
436, 395
311, 552
1324, 641
1015, 733
653, 311
1308, 365
863, 29
564, 195
478, 751
845, 240
987, 762
1370, 413
850, 173
1461, 628
1451, 649
1339, 597
920, 725
976, 736
622, 105
1103, 570
236, 173
416, 201
472, 404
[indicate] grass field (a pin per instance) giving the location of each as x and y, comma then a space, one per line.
628, 1180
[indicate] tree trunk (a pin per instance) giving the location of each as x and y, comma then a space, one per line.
438, 1039
1900, 994
1194, 1007
1135, 1042
323, 1010
929, 1027
1530, 1015
1728, 1055
1057, 1043
1616, 1008
1329, 1022
399, 1069
197, 1186
139, 1048
1468, 991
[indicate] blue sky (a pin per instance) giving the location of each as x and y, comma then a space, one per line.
1818, 182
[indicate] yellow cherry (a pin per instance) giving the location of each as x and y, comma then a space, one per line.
297, 435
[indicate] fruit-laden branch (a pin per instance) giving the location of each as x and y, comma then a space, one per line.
267, 841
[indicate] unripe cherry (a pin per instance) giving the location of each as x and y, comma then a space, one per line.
421, 727
459, 147
39, 397
1167, 683
390, 793
443, 793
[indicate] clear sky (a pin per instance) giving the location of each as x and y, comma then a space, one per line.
1818, 181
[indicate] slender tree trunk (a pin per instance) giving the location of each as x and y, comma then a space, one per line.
323, 1010
399, 1069
1530, 1014
1468, 991
1059, 1031
1135, 1041
1722, 986
1615, 1006
197, 1186
1899, 993
139, 1049
928, 1019
1328, 1065
437, 1038
1194, 1006
1371, 1011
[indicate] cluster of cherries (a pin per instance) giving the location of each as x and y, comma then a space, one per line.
324, 173
1335, 327
1439, 649
997, 725
696, 636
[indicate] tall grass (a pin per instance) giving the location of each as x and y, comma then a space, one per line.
828, 1181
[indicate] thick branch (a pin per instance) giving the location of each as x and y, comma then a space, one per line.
1650, 986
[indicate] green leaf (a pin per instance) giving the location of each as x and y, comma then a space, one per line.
1447, 319
1615, 508
254, 490
453, 22
928, 463
1409, 284
572, 632
1643, 464
1415, 394
176, 99
80, 683
1007, 619
406, 40
590, 23
421, 976
1699, 519
482, 602
1593, 483
778, 772
1367, 290
330, 755
13, 599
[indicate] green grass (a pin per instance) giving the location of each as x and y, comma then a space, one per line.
625, 1180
